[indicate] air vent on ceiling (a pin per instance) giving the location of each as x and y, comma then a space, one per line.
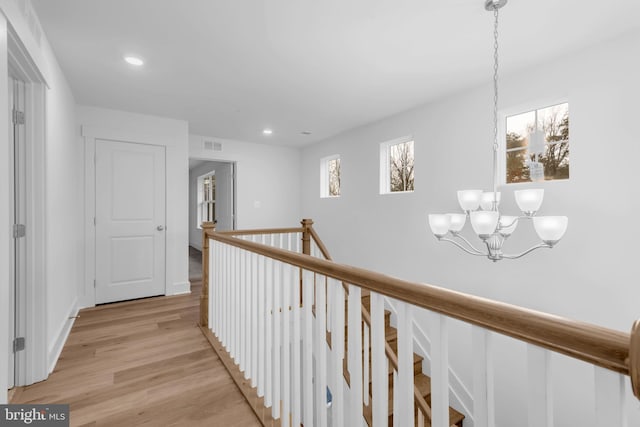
212, 146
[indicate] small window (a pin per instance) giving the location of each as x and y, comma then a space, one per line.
206, 198
330, 176
537, 145
396, 166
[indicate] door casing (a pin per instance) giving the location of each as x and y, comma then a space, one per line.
91, 134
35, 362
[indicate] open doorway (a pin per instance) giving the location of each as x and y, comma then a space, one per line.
211, 197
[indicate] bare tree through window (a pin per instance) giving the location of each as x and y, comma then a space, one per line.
334, 177
401, 172
550, 156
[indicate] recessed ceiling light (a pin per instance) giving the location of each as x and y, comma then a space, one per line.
134, 60
267, 131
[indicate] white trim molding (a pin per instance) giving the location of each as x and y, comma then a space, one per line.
61, 337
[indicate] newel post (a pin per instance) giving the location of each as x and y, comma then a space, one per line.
634, 359
306, 235
207, 228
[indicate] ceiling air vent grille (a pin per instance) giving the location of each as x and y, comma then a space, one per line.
212, 146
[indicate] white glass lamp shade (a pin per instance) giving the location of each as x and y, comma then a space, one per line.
550, 229
439, 224
457, 222
484, 223
529, 201
469, 199
486, 200
508, 225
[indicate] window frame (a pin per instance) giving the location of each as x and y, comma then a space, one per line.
385, 166
325, 177
502, 136
201, 197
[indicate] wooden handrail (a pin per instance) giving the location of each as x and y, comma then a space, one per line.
261, 231
320, 244
634, 358
599, 346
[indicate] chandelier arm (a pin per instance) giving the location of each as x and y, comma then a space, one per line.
477, 253
518, 218
473, 248
541, 245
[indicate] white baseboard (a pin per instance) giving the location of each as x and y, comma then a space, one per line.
61, 337
181, 288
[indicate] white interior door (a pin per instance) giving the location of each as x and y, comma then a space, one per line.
130, 221
17, 292
12, 301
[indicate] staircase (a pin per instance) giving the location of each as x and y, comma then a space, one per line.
421, 381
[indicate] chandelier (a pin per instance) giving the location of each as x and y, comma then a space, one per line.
481, 207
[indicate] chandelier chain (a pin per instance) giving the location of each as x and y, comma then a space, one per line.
495, 102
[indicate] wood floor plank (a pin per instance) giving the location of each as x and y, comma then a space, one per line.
142, 363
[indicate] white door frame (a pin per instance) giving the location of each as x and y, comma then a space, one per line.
32, 364
234, 185
90, 135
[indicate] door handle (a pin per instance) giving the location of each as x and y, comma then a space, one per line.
160, 227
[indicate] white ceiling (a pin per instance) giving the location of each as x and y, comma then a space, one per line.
233, 67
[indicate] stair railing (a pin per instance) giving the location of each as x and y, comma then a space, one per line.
375, 339
267, 304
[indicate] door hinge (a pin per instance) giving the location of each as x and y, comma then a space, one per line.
18, 344
18, 117
19, 230
94, 283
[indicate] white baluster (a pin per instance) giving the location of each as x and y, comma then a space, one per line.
404, 387
218, 258
439, 371
354, 354
610, 398
277, 328
379, 363
365, 365
246, 321
337, 353
241, 312
540, 394
261, 326
297, 358
234, 305
307, 356
483, 393
396, 401
268, 388
253, 281
225, 296
420, 419
321, 353
287, 278
212, 285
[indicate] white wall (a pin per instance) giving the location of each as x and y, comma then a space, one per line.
64, 201
63, 237
267, 179
173, 134
224, 199
591, 275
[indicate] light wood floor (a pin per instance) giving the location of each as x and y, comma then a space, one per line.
143, 362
